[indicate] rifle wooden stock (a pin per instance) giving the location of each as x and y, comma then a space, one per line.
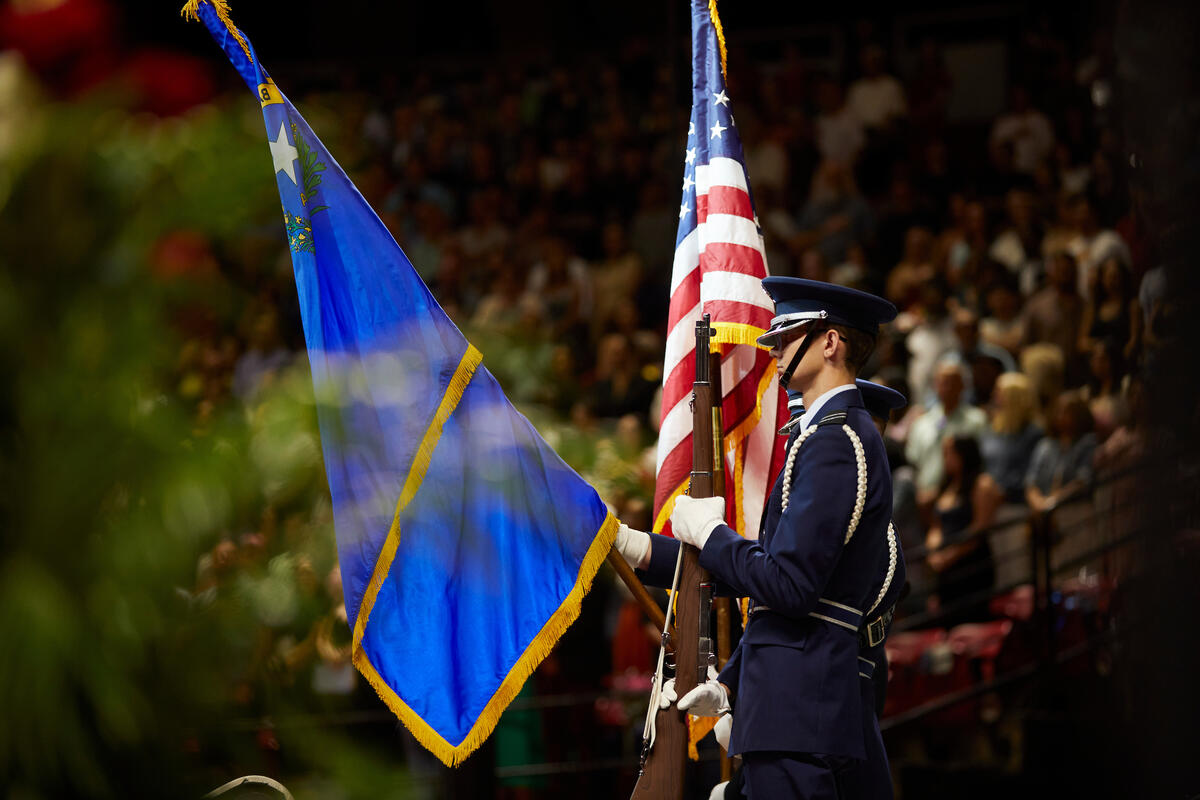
663, 772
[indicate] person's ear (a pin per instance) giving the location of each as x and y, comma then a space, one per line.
832, 337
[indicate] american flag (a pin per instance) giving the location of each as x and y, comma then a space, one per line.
719, 265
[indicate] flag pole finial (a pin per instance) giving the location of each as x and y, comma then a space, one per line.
716, 21
191, 11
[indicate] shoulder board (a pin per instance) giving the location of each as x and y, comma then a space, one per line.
836, 418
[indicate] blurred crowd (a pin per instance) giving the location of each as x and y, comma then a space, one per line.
539, 205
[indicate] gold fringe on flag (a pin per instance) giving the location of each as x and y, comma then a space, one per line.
716, 21
191, 11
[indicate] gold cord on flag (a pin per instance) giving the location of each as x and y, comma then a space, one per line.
716, 21
191, 11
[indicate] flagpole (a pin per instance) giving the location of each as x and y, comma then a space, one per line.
626, 574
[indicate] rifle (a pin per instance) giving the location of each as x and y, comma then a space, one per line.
662, 766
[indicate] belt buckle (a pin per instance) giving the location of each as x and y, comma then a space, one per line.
875, 631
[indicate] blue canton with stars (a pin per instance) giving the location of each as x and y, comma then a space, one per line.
712, 132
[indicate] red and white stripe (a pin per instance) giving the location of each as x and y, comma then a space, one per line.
718, 269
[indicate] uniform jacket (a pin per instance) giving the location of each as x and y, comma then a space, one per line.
794, 677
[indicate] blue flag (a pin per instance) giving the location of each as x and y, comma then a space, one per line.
466, 544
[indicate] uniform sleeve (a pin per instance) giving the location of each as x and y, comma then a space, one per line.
661, 570
663, 550
808, 539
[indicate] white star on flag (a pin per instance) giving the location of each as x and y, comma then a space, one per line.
283, 154
683, 210
691, 128
691, 156
717, 130
688, 182
721, 99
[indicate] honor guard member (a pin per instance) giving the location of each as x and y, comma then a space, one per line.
873, 778
794, 676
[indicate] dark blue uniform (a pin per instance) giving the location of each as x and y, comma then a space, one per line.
800, 708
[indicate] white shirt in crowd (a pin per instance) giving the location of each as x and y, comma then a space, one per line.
839, 136
1031, 137
924, 447
875, 101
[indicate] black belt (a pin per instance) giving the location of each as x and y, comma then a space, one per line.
874, 632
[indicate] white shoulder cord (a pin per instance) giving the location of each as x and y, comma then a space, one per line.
891, 570
860, 458
791, 459
656, 684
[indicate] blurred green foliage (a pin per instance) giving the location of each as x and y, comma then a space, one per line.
164, 554
168, 578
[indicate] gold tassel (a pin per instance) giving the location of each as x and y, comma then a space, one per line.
716, 21
191, 11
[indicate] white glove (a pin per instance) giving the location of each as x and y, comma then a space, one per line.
634, 545
718, 791
694, 519
708, 699
722, 729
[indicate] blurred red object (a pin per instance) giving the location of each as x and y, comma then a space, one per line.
168, 83
70, 44
631, 646
182, 253
906, 649
982, 641
1017, 604
907, 663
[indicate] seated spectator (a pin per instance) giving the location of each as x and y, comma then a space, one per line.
1054, 315
1019, 246
1092, 245
839, 132
877, 99
1062, 461
1007, 445
929, 88
620, 388
618, 277
1103, 390
485, 232
563, 284
1025, 130
986, 361
1111, 312
506, 308
915, 269
1044, 364
1003, 326
950, 416
901, 212
835, 215
966, 503
967, 259
928, 335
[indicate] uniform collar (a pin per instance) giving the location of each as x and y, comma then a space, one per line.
812, 412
